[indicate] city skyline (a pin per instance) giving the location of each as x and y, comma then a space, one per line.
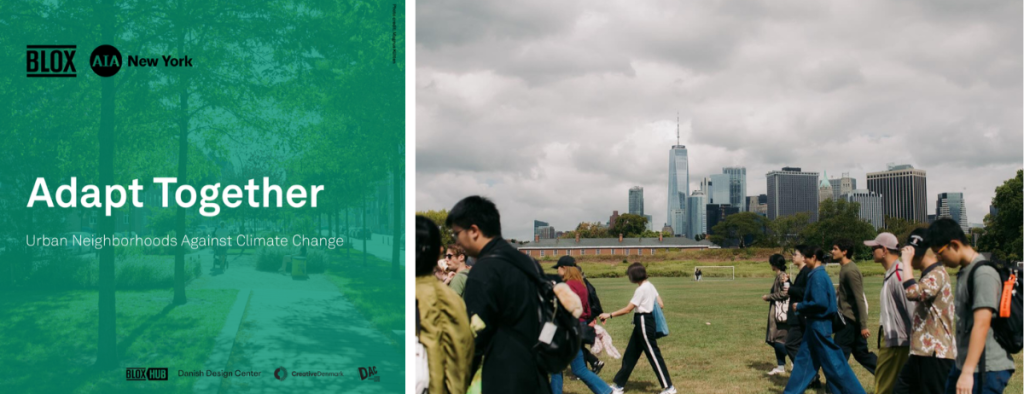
556, 110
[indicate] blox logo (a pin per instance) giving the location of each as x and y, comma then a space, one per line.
367, 373
48, 61
280, 373
146, 374
105, 60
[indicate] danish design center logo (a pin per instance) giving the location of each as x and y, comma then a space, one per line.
105, 60
280, 373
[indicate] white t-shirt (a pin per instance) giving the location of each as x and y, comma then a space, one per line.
644, 298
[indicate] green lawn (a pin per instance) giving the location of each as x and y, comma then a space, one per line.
48, 339
716, 343
369, 286
684, 268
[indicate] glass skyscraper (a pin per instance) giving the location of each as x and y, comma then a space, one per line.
737, 187
678, 186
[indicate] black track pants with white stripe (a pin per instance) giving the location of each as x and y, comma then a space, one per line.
642, 341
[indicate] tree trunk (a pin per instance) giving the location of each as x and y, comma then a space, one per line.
106, 349
179, 254
366, 233
397, 187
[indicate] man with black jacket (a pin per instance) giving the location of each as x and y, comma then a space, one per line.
501, 301
795, 335
595, 308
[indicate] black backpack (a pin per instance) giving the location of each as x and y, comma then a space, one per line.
1007, 322
595, 303
554, 355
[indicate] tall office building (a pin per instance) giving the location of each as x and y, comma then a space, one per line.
951, 205
716, 213
824, 188
678, 185
718, 189
870, 206
904, 192
697, 214
636, 200
758, 204
537, 224
737, 187
841, 186
650, 222
791, 191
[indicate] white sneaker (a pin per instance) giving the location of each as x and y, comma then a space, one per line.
777, 371
616, 389
670, 390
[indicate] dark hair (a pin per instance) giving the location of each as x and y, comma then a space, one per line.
428, 246
802, 249
479, 211
778, 262
636, 272
457, 249
945, 230
813, 251
845, 245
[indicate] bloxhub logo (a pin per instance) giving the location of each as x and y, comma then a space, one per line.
105, 61
146, 374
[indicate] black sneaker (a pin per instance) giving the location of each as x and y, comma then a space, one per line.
597, 367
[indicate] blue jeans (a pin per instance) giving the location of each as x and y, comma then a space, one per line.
780, 353
579, 368
819, 351
995, 381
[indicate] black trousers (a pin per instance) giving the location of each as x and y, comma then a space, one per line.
589, 357
643, 341
920, 375
794, 337
849, 339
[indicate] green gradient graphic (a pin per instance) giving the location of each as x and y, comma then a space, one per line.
299, 92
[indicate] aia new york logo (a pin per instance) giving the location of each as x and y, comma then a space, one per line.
43, 61
369, 373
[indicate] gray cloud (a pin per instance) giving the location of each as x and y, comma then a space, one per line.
556, 109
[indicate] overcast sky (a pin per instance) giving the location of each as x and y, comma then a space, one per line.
555, 109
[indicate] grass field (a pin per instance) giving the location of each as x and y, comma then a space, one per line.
728, 355
48, 339
368, 286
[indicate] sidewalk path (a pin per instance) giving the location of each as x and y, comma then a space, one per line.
301, 325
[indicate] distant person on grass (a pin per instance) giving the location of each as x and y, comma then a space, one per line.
818, 350
852, 330
643, 339
974, 311
894, 319
778, 298
456, 258
572, 277
796, 323
932, 347
444, 325
501, 301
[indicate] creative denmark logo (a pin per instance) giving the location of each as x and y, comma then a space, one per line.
42, 61
280, 373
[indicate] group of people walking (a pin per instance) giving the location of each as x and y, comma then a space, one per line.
479, 328
930, 338
491, 327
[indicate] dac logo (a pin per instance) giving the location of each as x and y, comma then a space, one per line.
50, 61
280, 373
365, 373
146, 374
105, 60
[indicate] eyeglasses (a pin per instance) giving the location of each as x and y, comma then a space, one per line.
449, 255
942, 249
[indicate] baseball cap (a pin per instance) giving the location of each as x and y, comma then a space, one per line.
886, 240
918, 241
565, 261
